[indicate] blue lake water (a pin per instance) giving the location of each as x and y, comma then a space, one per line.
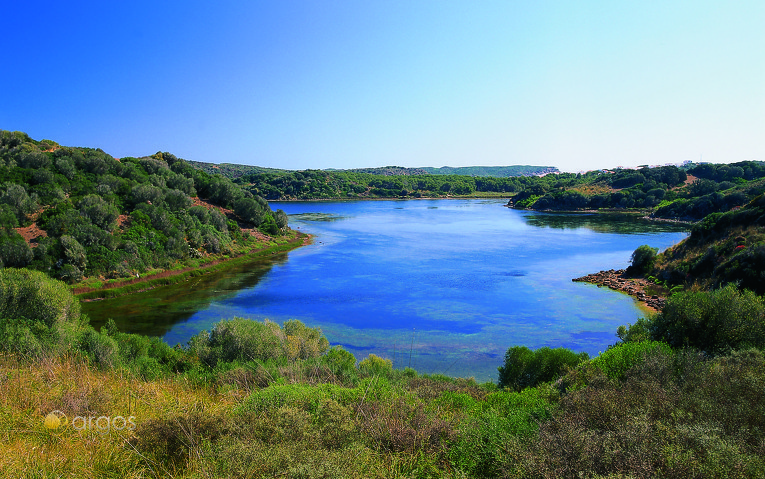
444, 286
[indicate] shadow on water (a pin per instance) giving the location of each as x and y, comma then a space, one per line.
155, 311
317, 217
602, 223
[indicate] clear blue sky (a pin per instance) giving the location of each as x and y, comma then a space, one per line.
344, 84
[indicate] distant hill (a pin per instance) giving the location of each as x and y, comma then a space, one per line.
387, 171
495, 171
382, 182
233, 171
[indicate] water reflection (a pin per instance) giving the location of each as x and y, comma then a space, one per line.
618, 223
154, 312
316, 217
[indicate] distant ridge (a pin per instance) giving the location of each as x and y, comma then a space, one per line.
495, 171
484, 171
230, 170
233, 171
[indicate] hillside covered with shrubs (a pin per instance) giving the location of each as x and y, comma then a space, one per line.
688, 193
79, 212
723, 248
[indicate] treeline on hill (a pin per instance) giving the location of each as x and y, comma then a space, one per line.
663, 190
94, 215
679, 396
716, 188
320, 184
644, 188
384, 182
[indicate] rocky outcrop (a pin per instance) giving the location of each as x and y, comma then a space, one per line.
617, 280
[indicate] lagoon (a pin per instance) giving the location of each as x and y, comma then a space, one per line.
444, 286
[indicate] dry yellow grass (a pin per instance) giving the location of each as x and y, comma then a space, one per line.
32, 391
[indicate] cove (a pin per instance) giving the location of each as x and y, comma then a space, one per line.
444, 286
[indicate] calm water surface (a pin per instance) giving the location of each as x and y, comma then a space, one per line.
445, 286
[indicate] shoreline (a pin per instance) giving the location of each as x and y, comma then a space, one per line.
618, 281
167, 277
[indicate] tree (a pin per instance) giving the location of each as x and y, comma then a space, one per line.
74, 252
281, 218
642, 259
14, 251
100, 212
249, 210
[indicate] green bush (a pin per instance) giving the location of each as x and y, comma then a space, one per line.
616, 361
245, 340
34, 296
715, 321
27, 338
526, 368
375, 365
507, 419
14, 251
301, 396
342, 363
672, 416
643, 258
99, 348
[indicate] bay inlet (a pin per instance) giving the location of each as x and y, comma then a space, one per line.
443, 286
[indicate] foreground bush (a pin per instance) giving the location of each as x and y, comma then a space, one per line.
241, 339
618, 360
672, 416
715, 322
38, 315
526, 368
33, 295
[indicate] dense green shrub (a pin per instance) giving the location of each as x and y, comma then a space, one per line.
99, 348
526, 368
715, 321
375, 365
342, 363
503, 420
670, 415
38, 315
642, 259
241, 339
14, 251
33, 295
617, 360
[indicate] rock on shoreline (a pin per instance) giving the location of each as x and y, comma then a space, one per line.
617, 280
